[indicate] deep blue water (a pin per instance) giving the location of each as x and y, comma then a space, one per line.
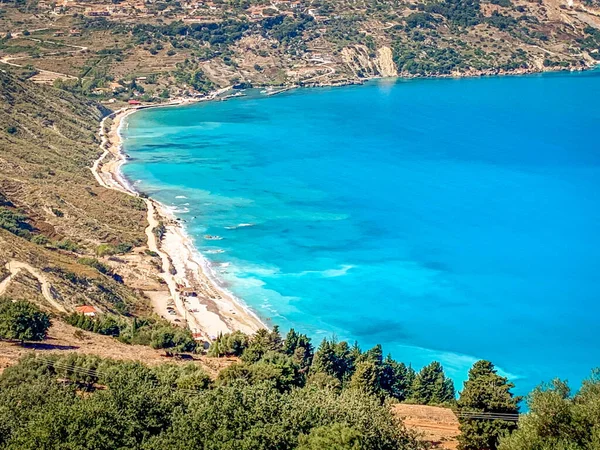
445, 219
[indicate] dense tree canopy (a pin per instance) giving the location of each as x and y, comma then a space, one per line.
128, 405
292, 362
142, 331
278, 396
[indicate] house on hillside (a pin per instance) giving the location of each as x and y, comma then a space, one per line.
87, 310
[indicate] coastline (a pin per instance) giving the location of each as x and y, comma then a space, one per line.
213, 309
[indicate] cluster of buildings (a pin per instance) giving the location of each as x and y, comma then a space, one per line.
276, 7
188, 9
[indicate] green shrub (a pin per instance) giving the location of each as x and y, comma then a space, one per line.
108, 249
105, 250
99, 266
503, 3
22, 321
39, 239
123, 247
67, 244
173, 338
15, 222
229, 344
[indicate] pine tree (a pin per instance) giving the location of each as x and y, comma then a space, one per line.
275, 343
261, 342
291, 342
344, 363
324, 360
431, 386
485, 391
366, 378
374, 355
298, 346
396, 379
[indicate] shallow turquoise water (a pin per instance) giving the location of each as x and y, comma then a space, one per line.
445, 219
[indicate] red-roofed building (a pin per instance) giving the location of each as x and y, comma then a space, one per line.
134, 102
86, 310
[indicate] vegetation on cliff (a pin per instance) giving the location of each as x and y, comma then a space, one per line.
486, 395
557, 419
292, 362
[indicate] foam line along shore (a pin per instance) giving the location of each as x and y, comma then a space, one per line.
194, 288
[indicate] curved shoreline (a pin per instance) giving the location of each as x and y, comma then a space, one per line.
213, 309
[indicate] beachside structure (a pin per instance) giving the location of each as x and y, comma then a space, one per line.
87, 310
134, 102
188, 292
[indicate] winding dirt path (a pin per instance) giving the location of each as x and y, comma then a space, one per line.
49, 75
15, 267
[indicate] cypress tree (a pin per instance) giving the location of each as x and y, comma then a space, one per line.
325, 359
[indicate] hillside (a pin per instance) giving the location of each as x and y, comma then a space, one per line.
156, 50
437, 425
66, 241
64, 339
53, 215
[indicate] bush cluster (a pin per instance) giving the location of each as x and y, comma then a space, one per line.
129, 405
154, 333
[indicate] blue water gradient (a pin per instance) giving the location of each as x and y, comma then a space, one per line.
445, 219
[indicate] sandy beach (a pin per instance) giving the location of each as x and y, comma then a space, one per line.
206, 306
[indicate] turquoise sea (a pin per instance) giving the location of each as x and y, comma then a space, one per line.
450, 219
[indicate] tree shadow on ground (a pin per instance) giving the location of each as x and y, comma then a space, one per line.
47, 346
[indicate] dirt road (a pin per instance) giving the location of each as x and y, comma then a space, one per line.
15, 267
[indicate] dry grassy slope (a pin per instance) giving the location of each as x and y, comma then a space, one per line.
45, 166
64, 339
71, 283
44, 173
437, 425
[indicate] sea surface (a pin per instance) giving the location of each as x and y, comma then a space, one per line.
449, 219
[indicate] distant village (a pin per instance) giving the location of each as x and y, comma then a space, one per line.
188, 11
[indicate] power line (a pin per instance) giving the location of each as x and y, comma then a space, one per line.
487, 415
94, 373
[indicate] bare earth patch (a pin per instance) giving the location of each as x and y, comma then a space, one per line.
439, 426
63, 339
